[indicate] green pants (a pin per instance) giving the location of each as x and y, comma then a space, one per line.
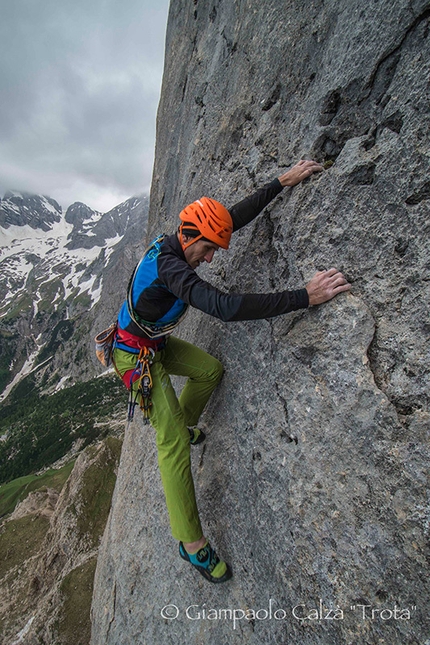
171, 417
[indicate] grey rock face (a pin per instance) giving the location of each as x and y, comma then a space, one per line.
37, 211
77, 213
312, 482
61, 532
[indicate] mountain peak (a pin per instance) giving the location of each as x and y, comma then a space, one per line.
78, 212
36, 211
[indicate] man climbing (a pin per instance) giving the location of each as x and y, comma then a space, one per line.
162, 287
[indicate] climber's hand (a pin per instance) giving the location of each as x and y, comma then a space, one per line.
325, 285
300, 171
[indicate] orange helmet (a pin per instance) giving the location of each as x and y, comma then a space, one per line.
210, 219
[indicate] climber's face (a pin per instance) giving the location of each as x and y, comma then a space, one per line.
198, 252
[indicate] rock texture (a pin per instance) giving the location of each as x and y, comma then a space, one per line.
48, 553
312, 482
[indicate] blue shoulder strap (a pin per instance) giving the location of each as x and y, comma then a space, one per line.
150, 329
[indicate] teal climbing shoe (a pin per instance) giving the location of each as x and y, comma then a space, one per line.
196, 435
207, 563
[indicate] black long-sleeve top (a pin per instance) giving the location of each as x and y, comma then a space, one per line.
163, 289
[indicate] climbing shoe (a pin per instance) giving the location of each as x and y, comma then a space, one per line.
207, 563
196, 435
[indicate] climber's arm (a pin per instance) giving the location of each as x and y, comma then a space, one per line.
246, 210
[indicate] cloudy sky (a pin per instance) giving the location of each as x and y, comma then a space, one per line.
80, 83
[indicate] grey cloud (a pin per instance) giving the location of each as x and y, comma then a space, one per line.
80, 86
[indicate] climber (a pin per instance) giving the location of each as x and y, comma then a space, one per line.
162, 287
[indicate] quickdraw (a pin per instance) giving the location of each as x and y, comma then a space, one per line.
144, 384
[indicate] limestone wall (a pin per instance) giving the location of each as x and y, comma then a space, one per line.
312, 482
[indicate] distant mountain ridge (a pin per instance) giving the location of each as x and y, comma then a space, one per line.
54, 267
19, 209
62, 278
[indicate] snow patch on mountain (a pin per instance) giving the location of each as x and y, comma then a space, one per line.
28, 367
62, 255
36, 211
54, 268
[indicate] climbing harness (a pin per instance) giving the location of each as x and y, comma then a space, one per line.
144, 384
